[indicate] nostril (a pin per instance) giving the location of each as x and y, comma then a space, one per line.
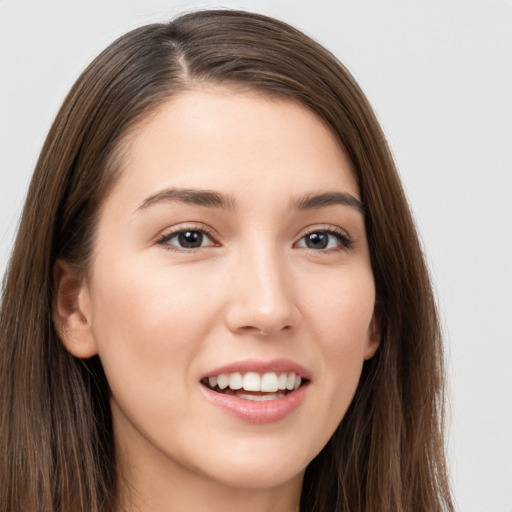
241, 318
262, 331
254, 330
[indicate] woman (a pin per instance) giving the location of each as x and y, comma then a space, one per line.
217, 297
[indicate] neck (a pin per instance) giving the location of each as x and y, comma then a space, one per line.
158, 493
162, 486
172, 499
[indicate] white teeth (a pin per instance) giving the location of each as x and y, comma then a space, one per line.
281, 381
290, 381
236, 381
252, 382
269, 382
223, 381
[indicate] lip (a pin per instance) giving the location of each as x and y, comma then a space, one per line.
255, 412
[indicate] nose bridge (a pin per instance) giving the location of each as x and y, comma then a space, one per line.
262, 299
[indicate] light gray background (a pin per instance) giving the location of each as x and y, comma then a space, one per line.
439, 75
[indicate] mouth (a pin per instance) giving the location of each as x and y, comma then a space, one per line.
257, 392
254, 386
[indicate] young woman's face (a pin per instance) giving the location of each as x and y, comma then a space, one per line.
231, 252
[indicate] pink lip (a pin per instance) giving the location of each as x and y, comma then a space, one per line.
252, 365
257, 412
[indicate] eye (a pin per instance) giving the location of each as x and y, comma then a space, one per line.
187, 239
324, 240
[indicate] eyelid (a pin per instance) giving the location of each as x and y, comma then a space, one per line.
345, 240
169, 233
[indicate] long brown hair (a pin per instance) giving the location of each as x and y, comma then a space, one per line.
55, 422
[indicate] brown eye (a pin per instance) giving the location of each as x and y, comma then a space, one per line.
190, 239
317, 240
187, 239
325, 240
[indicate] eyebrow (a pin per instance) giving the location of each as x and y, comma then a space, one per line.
212, 199
331, 198
207, 198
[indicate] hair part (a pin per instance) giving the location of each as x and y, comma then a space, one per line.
55, 420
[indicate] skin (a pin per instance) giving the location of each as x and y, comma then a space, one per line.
162, 316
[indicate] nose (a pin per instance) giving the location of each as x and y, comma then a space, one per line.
262, 299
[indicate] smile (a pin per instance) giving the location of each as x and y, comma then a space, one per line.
254, 386
257, 392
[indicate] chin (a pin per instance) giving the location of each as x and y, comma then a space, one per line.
257, 465
256, 476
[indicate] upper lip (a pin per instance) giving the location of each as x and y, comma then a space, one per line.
261, 367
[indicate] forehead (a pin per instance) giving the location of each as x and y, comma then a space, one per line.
236, 141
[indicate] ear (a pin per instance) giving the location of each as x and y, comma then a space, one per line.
72, 311
373, 336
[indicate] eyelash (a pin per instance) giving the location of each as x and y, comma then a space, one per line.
344, 240
166, 237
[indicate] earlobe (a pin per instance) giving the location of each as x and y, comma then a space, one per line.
72, 312
373, 337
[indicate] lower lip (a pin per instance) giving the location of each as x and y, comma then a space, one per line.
251, 411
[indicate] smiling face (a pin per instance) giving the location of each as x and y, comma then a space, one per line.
230, 296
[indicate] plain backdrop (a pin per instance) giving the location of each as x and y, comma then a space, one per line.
439, 75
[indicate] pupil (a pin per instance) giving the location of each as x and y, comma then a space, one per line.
190, 239
317, 240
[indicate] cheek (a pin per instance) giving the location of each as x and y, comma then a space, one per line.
136, 301
342, 312
341, 315
149, 325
